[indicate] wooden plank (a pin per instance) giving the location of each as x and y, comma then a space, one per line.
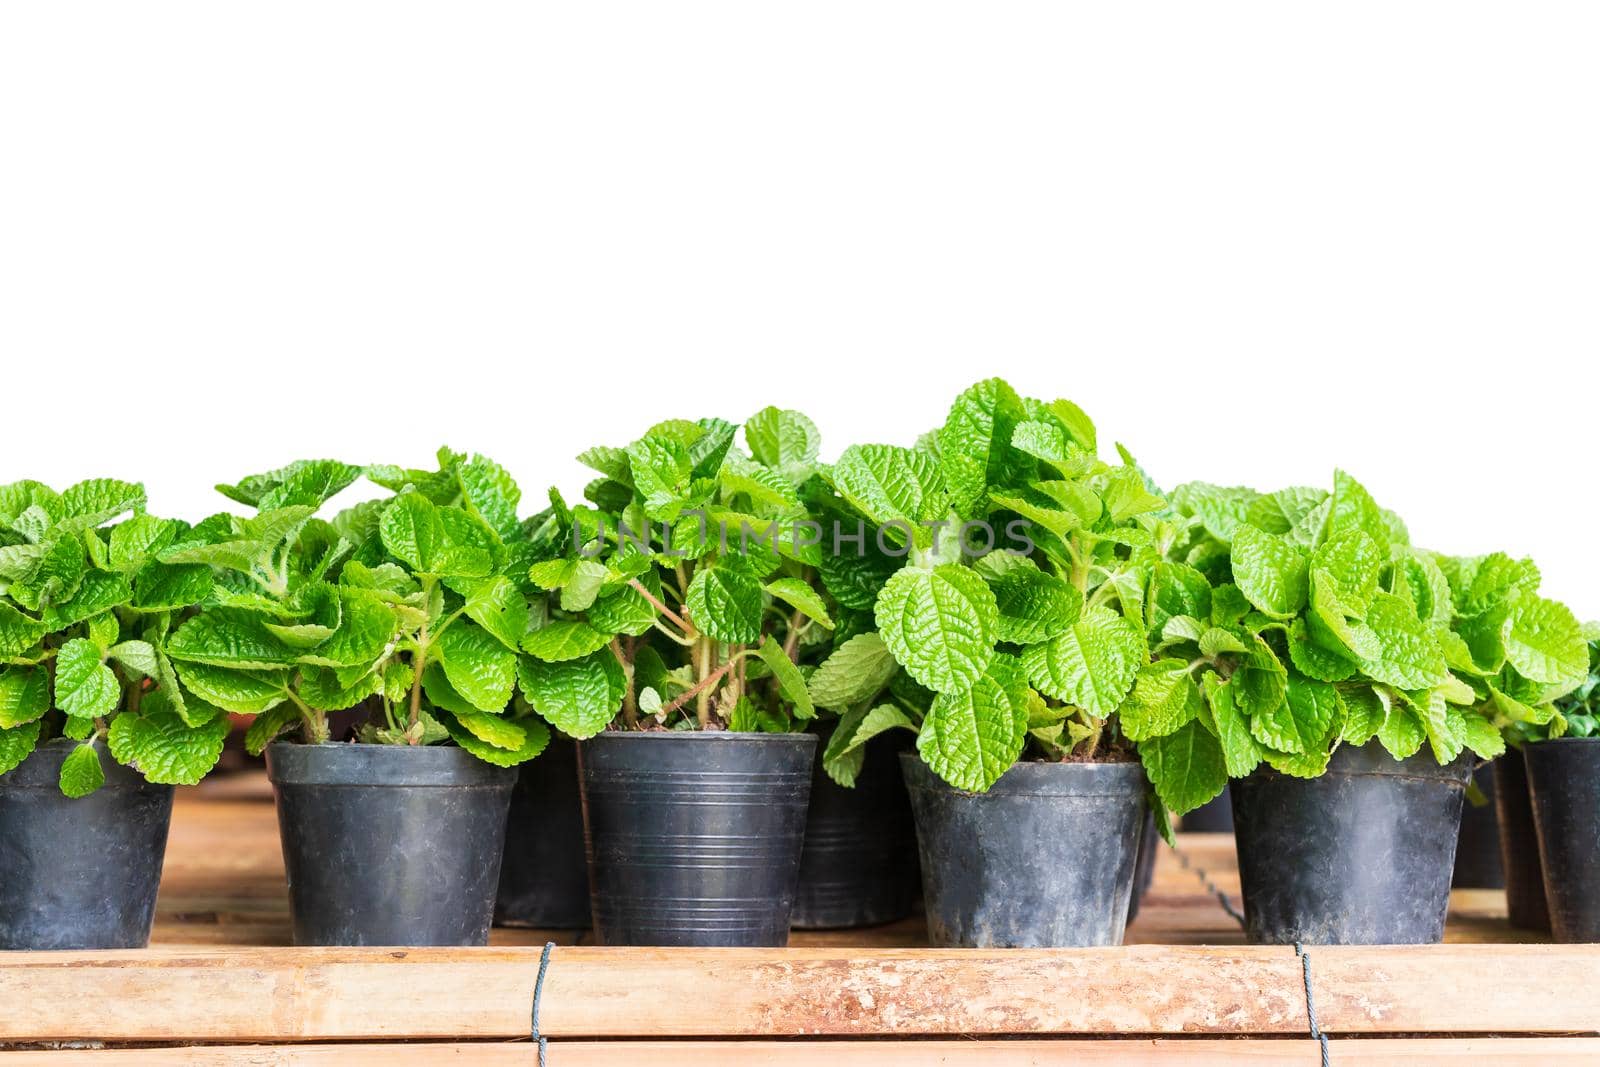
319, 994
1161, 1052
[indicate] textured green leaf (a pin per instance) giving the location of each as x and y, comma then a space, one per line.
578, 697
1186, 767
242, 692
800, 596
413, 533
322, 689
1260, 683
24, 695
856, 671
493, 730
975, 449
137, 656
1035, 606
1482, 583
1351, 507
95, 500
783, 440
845, 751
1401, 733
1220, 509
1092, 665
726, 602
165, 749
1304, 722
1409, 657
1352, 560
891, 484
366, 627
790, 681
1545, 643
1364, 712
16, 743
18, 632
1164, 698
478, 666
489, 492
662, 472
941, 625
171, 586
1175, 590
536, 736
1481, 736
1240, 750
81, 773
1315, 661
1280, 512
85, 687
228, 637
971, 738
1271, 572
564, 639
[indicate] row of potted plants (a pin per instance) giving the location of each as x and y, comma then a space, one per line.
751, 662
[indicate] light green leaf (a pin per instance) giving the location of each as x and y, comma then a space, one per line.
229, 637
18, 632
165, 749
1186, 767
1352, 560
85, 687
578, 697
783, 440
1034, 606
891, 484
24, 695
242, 692
1546, 643
95, 500
496, 605
790, 681
564, 639
726, 603
975, 449
493, 730
970, 738
136, 656
1093, 664
536, 736
843, 757
1164, 698
413, 532
1304, 722
941, 625
81, 773
662, 472
16, 743
1402, 733
1270, 571
1240, 750
800, 596
1409, 657
856, 671
478, 666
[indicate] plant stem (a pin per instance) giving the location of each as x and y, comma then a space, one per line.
630, 702
316, 725
699, 691
702, 668
683, 624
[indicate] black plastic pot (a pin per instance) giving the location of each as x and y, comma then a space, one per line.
1144, 870
859, 865
1519, 844
694, 837
79, 873
389, 844
544, 877
1044, 859
1359, 856
1564, 780
1478, 845
1213, 817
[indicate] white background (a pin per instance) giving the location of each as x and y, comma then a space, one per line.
1254, 241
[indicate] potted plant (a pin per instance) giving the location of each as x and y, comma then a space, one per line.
1328, 659
411, 607
683, 598
86, 615
1563, 770
1017, 617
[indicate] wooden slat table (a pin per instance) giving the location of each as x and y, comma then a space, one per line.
221, 986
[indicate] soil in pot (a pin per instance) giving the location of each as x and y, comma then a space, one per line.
544, 877
389, 844
1213, 817
1564, 781
694, 837
859, 865
1478, 845
1044, 859
1359, 856
79, 874
1519, 843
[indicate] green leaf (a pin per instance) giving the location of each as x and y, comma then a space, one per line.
850, 737
242, 692
24, 695
1260, 682
137, 656
564, 639
496, 605
1240, 751
229, 637
165, 749
366, 626
890, 484
726, 603
1546, 643
1092, 665
536, 736
790, 681
970, 738
1304, 722
99, 592
1351, 507
783, 440
856, 671
1401, 733
1280, 512
413, 532
85, 687
1035, 606
1271, 572
493, 730
662, 472
322, 690
1315, 661
18, 632
975, 449
1364, 712
1481, 736
478, 666
1164, 698
489, 492
1175, 590
92, 502
170, 586
578, 697
16, 743
624, 611
1409, 657
1186, 767
800, 596
941, 625
1352, 560
81, 773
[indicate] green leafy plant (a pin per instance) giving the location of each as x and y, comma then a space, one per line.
1580, 709
413, 606
86, 617
684, 595
1010, 592
1293, 622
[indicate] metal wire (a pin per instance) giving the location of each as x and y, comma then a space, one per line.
538, 995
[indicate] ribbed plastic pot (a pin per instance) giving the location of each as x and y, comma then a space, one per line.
1359, 856
1564, 781
1044, 859
79, 873
1519, 844
389, 844
544, 877
1213, 817
1144, 871
859, 864
1478, 845
694, 837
